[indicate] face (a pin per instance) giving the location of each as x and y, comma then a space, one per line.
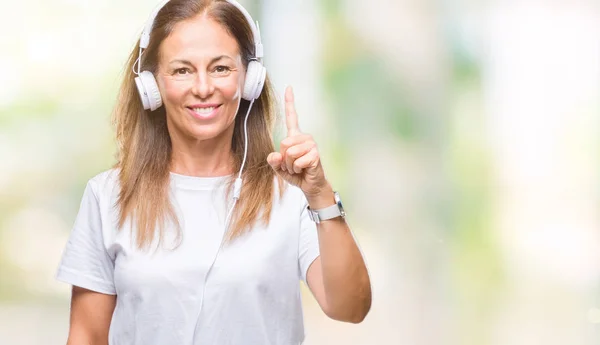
200, 77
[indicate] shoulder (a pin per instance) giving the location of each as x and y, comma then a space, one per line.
104, 183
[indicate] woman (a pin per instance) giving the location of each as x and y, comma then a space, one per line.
200, 234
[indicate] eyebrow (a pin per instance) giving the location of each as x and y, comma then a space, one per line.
213, 60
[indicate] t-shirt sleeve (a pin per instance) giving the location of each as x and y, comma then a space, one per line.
308, 244
85, 261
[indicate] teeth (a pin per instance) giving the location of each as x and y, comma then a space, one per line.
203, 110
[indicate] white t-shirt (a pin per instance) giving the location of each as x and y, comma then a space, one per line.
252, 294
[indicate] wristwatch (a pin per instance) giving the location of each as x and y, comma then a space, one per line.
333, 211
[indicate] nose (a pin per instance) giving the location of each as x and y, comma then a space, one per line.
203, 86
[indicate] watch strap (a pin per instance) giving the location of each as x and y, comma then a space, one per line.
329, 212
326, 213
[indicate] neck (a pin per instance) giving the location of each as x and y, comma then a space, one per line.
202, 158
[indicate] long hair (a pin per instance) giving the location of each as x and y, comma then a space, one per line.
144, 146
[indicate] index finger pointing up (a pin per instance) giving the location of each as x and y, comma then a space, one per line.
291, 119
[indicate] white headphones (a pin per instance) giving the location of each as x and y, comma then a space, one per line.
255, 74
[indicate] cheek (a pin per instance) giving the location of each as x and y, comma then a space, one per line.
173, 90
230, 88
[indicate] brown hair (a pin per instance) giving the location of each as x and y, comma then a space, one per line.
144, 155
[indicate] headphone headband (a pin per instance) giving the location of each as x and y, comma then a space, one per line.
258, 47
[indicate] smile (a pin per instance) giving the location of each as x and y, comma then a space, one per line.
204, 112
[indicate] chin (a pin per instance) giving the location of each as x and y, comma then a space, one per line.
206, 132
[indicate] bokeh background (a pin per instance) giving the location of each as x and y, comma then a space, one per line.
462, 135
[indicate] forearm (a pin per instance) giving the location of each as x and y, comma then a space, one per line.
345, 278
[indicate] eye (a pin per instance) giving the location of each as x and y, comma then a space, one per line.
222, 69
182, 71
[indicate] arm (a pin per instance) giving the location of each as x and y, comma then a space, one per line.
338, 278
91, 313
87, 266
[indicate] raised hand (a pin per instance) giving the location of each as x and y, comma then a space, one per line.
298, 160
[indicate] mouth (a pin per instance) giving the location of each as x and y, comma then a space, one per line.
204, 111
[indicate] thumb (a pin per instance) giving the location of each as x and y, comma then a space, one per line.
274, 159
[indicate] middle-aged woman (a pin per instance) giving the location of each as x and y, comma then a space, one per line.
201, 232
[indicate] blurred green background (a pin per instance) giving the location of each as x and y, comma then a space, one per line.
462, 135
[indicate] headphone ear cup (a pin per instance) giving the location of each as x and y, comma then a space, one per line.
148, 90
142, 92
255, 80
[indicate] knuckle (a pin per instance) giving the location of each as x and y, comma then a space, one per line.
292, 152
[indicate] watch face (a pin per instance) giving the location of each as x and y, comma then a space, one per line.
338, 201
